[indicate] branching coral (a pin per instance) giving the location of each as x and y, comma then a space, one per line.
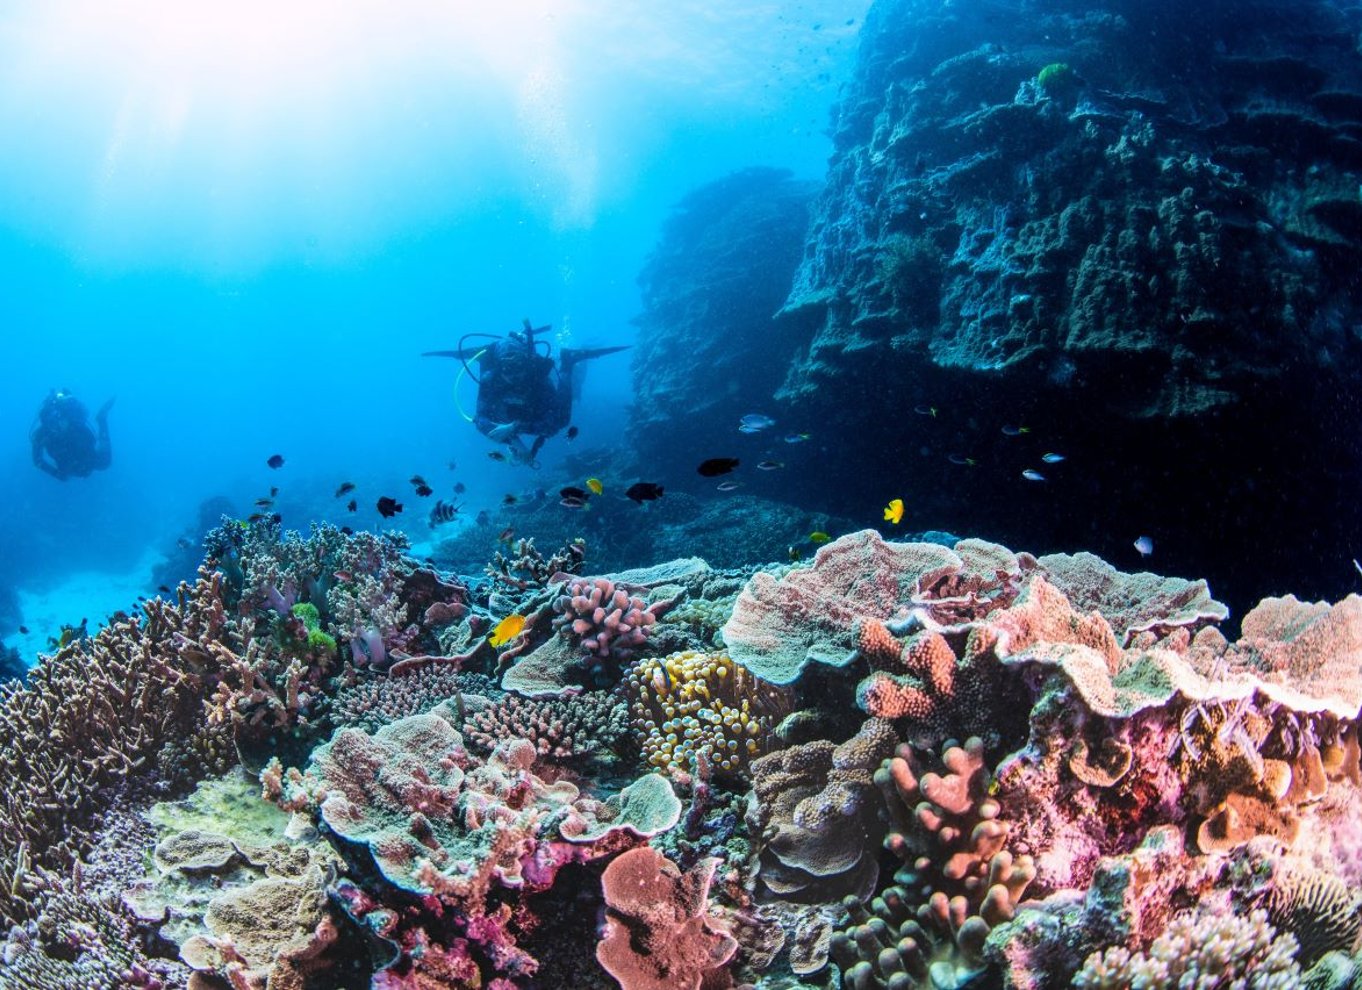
374, 701
575, 727
93, 717
1200, 951
604, 619
959, 877
527, 569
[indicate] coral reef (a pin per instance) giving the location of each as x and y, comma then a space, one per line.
1056, 772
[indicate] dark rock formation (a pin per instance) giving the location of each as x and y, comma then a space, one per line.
708, 351
1132, 226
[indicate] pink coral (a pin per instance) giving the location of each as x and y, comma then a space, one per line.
608, 621
657, 934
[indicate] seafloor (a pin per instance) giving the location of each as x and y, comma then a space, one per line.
324, 764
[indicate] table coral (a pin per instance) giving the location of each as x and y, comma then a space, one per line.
690, 702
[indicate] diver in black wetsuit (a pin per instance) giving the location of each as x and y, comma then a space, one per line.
63, 443
522, 392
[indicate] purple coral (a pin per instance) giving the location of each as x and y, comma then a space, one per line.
610, 622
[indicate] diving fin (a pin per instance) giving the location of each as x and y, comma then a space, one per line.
569, 356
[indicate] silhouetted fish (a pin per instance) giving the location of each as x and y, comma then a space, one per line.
571, 491
276, 461
346, 487
352, 505
424, 490
716, 466
572, 432
644, 491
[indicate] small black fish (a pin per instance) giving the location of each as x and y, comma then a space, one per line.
274, 490
572, 502
416, 480
276, 461
388, 507
264, 503
496, 455
347, 531
644, 491
571, 491
572, 432
163, 589
424, 490
716, 466
23, 630
453, 465
460, 488
442, 513
345, 488
257, 517
509, 500
352, 505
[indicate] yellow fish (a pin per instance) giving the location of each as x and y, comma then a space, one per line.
595, 485
893, 512
507, 629
818, 536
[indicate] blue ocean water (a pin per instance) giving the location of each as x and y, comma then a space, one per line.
245, 224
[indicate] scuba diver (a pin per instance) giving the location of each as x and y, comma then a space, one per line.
63, 443
521, 391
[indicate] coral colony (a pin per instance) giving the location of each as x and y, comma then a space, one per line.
907, 766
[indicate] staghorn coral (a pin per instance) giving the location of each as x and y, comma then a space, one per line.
93, 717
575, 727
527, 569
657, 933
690, 703
80, 941
1201, 950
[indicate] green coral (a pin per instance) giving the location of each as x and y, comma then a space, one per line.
317, 639
1056, 78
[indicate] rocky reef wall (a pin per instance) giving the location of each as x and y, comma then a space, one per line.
1130, 227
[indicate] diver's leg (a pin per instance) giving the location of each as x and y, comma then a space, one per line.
103, 454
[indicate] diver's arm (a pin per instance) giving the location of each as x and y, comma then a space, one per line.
42, 463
